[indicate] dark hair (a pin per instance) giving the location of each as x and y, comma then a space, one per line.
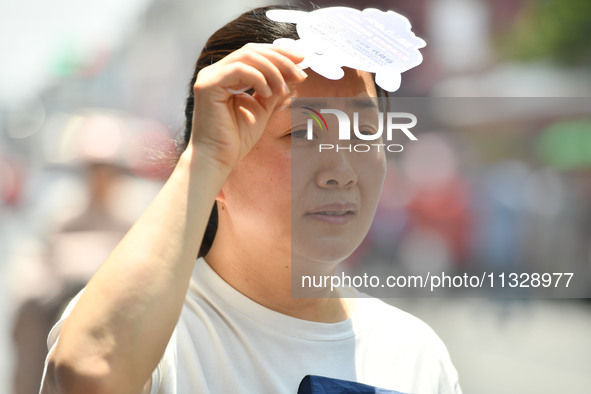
251, 27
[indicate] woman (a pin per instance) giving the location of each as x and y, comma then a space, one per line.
154, 320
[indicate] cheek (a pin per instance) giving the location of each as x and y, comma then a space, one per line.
371, 173
262, 179
274, 170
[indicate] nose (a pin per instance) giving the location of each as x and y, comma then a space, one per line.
335, 170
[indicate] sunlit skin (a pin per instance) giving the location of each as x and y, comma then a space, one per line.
253, 246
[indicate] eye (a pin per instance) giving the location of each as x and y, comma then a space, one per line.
302, 135
299, 134
364, 130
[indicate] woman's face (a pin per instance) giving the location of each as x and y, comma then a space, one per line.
286, 195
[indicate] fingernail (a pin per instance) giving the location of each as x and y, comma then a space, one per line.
301, 72
286, 89
237, 91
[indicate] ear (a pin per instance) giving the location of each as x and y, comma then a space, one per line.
221, 197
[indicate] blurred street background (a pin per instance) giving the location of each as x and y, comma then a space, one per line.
92, 95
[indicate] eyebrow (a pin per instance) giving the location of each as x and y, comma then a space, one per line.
301, 104
361, 103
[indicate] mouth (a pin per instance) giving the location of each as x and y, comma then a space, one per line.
334, 213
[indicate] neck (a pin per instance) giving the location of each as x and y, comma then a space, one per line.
262, 272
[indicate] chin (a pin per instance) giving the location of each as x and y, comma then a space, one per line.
322, 256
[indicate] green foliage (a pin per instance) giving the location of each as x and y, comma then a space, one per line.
555, 29
566, 145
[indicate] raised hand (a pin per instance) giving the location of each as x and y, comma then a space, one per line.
226, 125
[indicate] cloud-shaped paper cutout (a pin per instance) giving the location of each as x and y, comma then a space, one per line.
369, 40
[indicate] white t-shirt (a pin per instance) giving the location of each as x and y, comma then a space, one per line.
226, 343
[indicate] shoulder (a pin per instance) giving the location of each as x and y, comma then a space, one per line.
404, 346
399, 331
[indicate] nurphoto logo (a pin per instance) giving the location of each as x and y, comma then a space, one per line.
385, 126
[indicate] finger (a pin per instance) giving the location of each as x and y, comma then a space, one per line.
292, 54
272, 73
282, 59
240, 77
291, 72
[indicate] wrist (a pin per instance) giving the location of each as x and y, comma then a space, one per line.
197, 160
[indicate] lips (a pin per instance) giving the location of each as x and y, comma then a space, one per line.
335, 213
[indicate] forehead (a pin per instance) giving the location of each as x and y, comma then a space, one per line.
354, 83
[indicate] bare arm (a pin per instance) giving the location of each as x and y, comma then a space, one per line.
119, 329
